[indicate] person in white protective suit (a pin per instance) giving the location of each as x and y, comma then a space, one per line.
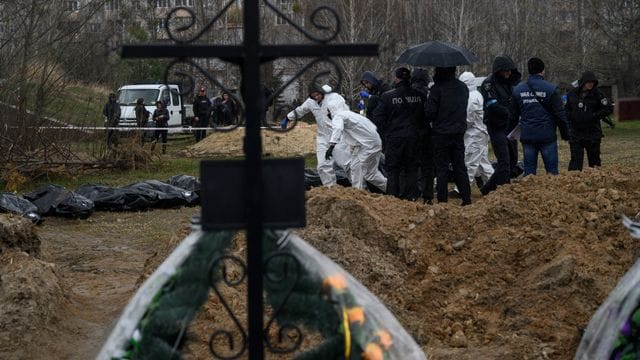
358, 132
476, 138
341, 152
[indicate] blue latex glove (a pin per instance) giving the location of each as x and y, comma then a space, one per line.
283, 123
361, 105
491, 102
364, 94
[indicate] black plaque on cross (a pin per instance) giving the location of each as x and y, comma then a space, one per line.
255, 193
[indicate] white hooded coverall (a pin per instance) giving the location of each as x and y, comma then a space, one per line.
341, 150
360, 133
476, 138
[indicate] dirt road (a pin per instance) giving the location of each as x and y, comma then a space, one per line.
99, 260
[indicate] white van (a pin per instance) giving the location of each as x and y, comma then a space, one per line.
179, 114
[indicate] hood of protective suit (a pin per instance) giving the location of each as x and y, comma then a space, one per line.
469, 79
370, 77
586, 77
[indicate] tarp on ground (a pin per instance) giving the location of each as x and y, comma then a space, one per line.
55, 200
14, 204
186, 182
138, 196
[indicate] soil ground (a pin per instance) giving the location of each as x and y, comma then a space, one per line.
516, 275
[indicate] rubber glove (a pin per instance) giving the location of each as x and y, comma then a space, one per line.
329, 154
361, 105
364, 94
283, 123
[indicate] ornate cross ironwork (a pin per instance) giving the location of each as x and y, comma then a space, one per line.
249, 56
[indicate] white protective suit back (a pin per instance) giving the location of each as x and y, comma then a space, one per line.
475, 124
355, 129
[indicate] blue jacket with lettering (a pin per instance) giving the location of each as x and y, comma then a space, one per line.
400, 112
538, 124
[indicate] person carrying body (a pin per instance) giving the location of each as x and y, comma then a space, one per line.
356, 131
341, 155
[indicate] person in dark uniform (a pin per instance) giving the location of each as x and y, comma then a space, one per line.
446, 110
142, 116
161, 117
202, 112
586, 107
426, 172
112, 113
373, 90
399, 112
497, 91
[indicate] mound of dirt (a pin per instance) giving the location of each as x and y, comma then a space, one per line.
31, 294
301, 141
19, 233
518, 274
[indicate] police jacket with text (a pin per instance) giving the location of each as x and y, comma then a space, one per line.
446, 107
584, 111
400, 112
538, 124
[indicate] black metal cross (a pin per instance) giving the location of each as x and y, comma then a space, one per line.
249, 56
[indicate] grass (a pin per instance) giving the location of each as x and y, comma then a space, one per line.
619, 146
161, 168
78, 105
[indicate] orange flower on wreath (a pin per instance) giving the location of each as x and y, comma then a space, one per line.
356, 315
335, 281
385, 339
372, 352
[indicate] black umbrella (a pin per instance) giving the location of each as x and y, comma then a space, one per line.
436, 53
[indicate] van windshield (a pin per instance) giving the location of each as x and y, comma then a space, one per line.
129, 96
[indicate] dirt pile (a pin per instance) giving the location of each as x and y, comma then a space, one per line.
17, 233
517, 274
299, 141
31, 294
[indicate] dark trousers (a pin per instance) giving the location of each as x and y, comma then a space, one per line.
162, 134
425, 164
578, 148
202, 122
449, 149
112, 135
502, 172
401, 158
513, 158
